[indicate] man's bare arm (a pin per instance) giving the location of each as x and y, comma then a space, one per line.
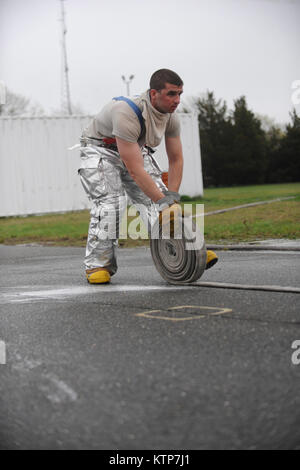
175, 157
132, 157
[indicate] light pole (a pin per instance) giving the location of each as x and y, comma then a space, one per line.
128, 82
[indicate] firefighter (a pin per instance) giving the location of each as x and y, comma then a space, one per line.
117, 162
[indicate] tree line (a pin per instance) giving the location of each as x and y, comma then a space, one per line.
236, 150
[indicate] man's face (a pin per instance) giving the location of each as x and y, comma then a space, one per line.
167, 99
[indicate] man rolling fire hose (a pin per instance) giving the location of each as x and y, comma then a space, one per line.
117, 162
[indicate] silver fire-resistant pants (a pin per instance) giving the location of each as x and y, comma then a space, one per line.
108, 185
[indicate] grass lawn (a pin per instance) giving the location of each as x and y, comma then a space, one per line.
276, 220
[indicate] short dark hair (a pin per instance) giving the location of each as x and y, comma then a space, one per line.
161, 77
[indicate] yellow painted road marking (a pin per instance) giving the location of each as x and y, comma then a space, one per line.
152, 313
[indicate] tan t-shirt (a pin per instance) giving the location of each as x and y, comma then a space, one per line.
117, 119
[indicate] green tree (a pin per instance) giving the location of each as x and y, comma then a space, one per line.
274, 137
215, 134
285, 165
248, 160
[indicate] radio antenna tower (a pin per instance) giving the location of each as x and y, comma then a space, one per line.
65, 87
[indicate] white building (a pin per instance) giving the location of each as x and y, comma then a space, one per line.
38, 174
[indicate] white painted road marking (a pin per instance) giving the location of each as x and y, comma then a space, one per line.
213, 311
56, 390
38, 295
2, 353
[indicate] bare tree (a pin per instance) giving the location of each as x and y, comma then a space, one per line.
19, 105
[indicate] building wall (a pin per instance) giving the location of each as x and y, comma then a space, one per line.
38, 174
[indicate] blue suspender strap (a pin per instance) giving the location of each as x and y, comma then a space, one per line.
134, 107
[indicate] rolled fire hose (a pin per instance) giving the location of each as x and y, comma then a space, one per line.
174, 262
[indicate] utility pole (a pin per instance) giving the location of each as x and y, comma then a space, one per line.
65, 87
128, 83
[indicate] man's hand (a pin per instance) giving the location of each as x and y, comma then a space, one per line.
169, 220
169, 213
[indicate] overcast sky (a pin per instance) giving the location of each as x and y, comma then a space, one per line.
233, 47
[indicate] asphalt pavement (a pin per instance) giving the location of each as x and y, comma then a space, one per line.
140, 364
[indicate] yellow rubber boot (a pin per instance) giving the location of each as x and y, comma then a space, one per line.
211, 259
98, 276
